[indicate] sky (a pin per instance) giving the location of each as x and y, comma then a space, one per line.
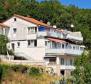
79, 3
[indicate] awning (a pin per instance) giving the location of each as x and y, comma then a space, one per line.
57, 40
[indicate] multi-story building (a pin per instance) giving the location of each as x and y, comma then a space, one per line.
35, 40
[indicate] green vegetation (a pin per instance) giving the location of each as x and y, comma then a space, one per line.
34, 71
57, 14
52, 11
21, 74
3, 45
3, 42
82, 73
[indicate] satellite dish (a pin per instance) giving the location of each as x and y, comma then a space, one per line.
72, 25
48, 23
54, 26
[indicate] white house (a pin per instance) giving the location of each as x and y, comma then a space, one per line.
37, 41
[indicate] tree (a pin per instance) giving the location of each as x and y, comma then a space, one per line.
82, 73
3, 44
51, 11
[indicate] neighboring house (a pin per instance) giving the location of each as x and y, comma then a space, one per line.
35, 40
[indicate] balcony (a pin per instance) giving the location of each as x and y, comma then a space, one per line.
41, 34
31, 36
51, 51
55, 34
73, 36
63, 67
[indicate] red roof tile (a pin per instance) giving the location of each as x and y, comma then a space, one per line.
29, 19
56, 40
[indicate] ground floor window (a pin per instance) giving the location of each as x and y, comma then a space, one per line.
52, 60
18, 44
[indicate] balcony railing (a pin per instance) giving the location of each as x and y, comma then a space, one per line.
63, 51
55, 34
67, 67
74, 37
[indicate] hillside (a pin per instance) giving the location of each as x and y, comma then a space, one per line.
51, 11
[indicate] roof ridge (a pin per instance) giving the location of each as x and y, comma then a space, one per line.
30, 19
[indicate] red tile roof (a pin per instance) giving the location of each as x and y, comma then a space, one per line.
3, 25
56, 40
29, 19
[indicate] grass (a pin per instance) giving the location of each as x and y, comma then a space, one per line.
15, 75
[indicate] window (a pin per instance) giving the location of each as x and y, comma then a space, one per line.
14, 30
81, 48
18, 44
62, 45
14, 19
73, 47
71, 62
45, 43
32, 43
62, 61
32, 30
29, 42
58, 45
54, 45
35, 43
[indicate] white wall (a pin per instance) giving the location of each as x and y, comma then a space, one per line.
21, 26
35, 53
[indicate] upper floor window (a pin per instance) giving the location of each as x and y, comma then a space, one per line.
14, 19
32, 30
14, 30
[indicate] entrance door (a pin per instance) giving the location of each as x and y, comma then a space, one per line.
62, 72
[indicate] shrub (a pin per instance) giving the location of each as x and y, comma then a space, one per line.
10, 52
4, 70
1, 73
19, 68
33, 71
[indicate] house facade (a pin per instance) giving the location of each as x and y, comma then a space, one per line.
37, 41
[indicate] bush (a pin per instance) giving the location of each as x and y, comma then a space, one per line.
1, 73
10, 52
19, 68
4, 70
33, 71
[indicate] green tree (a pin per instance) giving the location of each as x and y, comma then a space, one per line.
3, 44
82, 73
